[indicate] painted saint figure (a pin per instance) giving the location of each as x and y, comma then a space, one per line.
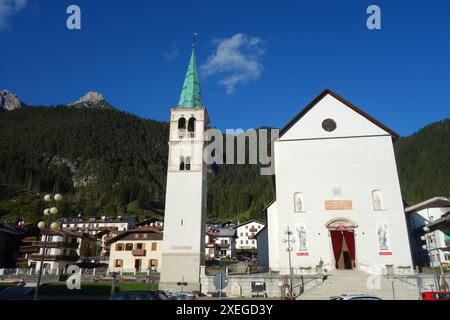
302, 239
298, 202
382, 237
377, 202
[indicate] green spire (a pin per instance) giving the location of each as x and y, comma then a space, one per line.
190, 95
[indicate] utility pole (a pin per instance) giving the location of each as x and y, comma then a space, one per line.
427, 247
289, 249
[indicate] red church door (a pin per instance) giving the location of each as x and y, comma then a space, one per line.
343, 242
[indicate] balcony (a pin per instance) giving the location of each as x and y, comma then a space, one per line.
30, 239
224, 245
48, 257
138, 252
28, 249
59, 244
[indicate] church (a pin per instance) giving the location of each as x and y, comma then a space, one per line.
338, 200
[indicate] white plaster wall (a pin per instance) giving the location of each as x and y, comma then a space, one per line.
349, 123
273, 237
356, 166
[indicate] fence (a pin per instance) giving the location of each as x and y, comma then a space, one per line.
18, 272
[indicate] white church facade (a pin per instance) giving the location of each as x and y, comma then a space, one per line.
337, 192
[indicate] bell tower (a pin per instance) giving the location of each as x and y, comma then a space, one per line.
186, 191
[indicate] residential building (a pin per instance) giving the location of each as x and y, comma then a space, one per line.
225, 240
93, 225
10, 237
136, 249
103, 237
245, 234
156, 222
432, 213
26, 248
212, 249
64, 248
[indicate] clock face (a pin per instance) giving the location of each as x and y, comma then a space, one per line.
329, 125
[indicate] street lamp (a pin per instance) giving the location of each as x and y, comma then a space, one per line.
289, 249
52, 199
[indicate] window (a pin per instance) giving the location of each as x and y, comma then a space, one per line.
153, 264
246, 241
299, 204
242, 234
242, 241
188, 163
329, 125
253, 241
118, 263
191, 127
377, 200
139, 246
119, 247
154, 246
182, 123
182, 163
129, 247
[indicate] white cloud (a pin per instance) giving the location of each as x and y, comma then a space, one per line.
9, 8
236, 60
172, 54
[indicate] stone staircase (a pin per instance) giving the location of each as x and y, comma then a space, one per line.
355, 282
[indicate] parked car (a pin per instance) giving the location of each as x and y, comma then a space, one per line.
355, 297
20, 291
242, 258
436, 295
140, 295
186, 296
171, 295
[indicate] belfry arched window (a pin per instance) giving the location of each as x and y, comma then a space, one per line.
377, 200
181, 123
181, 128
182, 165
188, 163
191, 127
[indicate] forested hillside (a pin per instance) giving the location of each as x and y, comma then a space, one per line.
423, 161
107, 162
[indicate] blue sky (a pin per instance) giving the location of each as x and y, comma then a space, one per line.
260, 61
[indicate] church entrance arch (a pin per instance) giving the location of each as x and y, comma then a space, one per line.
342, 234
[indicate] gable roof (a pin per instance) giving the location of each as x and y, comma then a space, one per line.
156, 234
247, 222
326, 92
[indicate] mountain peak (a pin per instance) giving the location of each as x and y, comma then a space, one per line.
9, 101
91, 99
